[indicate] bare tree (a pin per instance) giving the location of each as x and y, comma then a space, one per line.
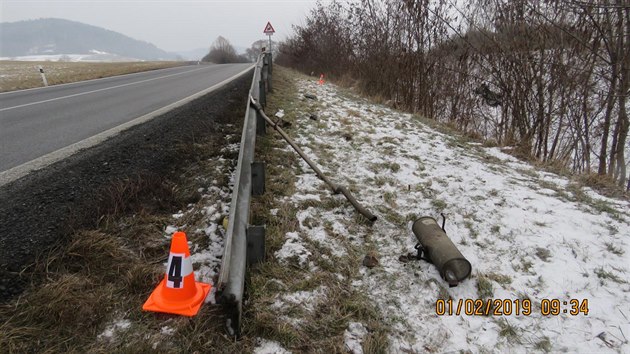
550, 78
222, 52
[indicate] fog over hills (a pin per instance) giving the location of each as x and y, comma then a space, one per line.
56, 36
193, 54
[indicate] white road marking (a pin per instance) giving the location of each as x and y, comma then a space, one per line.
99, 90
58, 155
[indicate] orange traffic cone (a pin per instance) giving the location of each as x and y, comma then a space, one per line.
178, 292
321, 79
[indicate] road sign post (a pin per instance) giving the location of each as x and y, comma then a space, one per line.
269, 31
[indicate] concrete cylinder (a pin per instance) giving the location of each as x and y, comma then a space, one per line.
441, 251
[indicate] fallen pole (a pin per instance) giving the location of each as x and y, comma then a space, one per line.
336, 189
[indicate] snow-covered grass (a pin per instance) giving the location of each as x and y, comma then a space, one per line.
205, 233
528, 234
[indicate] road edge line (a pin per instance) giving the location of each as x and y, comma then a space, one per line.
41, 162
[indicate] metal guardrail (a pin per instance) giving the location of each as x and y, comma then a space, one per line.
249, 178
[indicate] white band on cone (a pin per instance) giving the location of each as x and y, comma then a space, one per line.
179, 266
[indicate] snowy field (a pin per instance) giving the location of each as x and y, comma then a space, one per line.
529, 235
91, 56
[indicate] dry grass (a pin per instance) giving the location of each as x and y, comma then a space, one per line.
82, 288
602, 184
104, 273
19, 75
103, 276
484, 287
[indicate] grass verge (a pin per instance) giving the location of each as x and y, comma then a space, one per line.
20, 75
318, 326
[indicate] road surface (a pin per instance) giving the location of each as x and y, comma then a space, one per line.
42, 126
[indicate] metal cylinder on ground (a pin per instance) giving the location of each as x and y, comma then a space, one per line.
441, 251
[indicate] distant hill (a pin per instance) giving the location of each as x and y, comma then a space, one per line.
56, 36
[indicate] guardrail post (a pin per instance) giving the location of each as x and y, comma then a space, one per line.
266, 71
255, 245
263, 94
258, 178
261, 125
269, 71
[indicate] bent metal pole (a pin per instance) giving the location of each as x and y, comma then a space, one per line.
336, 189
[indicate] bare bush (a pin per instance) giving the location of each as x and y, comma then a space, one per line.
223, 52
550, 78
258, 47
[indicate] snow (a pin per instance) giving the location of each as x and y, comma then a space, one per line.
92, 56
119, 325
208, 259
231, 148
520, 228
167, 331
170, 229
269, 347
307, 300
353, 336
302, 302
293, 248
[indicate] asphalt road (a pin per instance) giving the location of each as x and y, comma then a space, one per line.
42, 126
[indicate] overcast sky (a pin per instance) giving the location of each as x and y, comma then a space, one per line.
171, 25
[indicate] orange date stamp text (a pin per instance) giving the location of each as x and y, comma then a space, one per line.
510, 307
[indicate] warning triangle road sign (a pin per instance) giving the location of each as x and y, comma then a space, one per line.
269, 29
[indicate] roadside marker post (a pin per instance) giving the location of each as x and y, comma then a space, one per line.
41, 72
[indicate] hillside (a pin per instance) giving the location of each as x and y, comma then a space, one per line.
531, 236
57, 36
